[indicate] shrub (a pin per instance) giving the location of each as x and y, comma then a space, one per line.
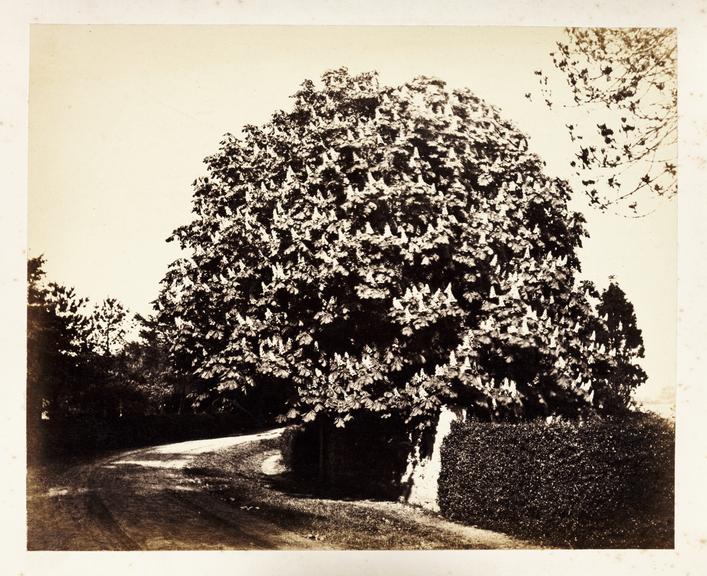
366, 458
592, 484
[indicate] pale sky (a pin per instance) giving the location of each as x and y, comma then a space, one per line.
122, 117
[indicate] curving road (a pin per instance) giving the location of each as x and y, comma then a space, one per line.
224, 493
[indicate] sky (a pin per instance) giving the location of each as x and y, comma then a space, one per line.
121, 118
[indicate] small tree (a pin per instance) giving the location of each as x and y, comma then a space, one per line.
623, 340
386, 250
109, 326
112, 392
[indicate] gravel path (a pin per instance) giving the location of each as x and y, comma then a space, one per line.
220, 494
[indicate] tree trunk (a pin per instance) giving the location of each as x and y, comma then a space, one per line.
322, 454
181, 403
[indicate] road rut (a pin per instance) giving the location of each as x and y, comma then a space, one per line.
219, 494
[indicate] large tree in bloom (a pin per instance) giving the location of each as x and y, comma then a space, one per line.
388, 250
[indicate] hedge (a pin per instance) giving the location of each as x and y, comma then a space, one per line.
87, 435
592, 484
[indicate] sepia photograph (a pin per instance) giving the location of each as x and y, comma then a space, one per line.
351, 288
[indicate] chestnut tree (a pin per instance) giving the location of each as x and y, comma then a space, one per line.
387, 250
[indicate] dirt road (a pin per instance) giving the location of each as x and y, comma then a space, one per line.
225, 493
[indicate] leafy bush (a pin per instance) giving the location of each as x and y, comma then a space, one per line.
599, 483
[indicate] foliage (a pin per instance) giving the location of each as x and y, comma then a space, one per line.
385, 250
598, 483
623, 340
57, 354
109, 325
626, 79
75, 358
340, 461
145, 367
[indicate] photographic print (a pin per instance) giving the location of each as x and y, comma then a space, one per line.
333, 288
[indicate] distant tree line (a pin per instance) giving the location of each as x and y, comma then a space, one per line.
80, 360
100, 360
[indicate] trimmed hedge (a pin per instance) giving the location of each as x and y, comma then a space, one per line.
594, 484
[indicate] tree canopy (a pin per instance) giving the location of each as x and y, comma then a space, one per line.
387, 250
625, 79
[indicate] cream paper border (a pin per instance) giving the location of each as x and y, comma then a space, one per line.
691, 535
